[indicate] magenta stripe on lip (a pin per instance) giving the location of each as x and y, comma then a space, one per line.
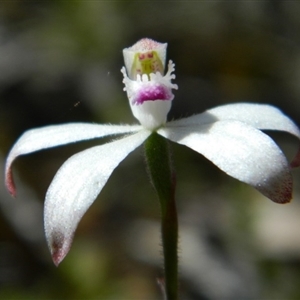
152, 93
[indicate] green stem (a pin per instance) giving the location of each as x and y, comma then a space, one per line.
163, 179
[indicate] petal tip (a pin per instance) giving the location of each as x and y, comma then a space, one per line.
283, 199
59, 246
296, 161
58, 256
9, 182
278, 191
282, 195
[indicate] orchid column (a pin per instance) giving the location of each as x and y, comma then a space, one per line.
150, 96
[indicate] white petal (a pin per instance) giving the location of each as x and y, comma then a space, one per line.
75, 187
260, 116
56, 135
241, 151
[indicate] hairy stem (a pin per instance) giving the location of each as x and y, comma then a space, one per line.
163, 179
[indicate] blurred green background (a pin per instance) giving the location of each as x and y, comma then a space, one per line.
60, 62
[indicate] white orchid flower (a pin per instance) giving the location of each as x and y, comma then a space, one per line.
229, 136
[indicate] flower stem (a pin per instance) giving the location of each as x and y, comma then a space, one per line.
163, 179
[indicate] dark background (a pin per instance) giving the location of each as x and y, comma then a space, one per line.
60, 62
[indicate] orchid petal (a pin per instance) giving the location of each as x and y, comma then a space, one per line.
56, 135
242, 152
75, 187
260, 116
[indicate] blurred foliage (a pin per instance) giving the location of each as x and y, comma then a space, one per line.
60, 62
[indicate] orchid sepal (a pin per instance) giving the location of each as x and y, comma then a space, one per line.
56, 135
242, 152
76, 186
